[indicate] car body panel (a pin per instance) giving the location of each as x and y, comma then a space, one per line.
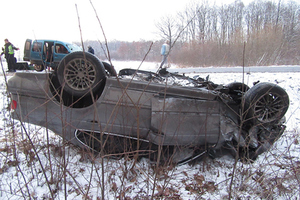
185, 120
125, 107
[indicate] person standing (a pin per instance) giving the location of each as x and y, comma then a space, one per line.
91, 50
9, 54
165, 52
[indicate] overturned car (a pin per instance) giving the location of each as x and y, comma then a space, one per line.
138, 112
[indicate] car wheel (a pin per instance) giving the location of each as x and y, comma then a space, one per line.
236, 91
39, 68
110, 71
80, 73
265, 103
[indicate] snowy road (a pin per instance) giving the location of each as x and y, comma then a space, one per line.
273, 69
188, 70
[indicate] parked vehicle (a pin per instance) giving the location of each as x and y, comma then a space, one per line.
137, 111
47, 53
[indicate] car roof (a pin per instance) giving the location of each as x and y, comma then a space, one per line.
41, 40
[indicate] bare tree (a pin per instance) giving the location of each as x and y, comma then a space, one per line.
189, 34
168, 28
203, 21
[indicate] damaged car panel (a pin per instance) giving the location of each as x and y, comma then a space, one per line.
141, 111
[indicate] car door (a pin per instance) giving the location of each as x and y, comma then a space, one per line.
60, 51
37, 52
27, 50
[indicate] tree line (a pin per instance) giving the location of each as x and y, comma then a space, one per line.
261, 33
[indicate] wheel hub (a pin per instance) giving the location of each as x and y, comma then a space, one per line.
79, 75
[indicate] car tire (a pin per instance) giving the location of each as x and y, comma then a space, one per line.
236, 91
80, 73
39, 68
265, 103
110, 71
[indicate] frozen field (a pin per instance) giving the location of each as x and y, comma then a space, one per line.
274, 175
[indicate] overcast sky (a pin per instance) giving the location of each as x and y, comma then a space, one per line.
126, 20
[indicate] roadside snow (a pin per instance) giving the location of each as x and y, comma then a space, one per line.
274, 175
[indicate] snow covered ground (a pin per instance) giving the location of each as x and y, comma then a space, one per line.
52, 170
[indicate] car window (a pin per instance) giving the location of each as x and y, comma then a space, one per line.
73, 47
37, 46
59, 48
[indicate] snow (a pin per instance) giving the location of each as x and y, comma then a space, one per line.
274, 175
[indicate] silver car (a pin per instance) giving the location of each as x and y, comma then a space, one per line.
138, 112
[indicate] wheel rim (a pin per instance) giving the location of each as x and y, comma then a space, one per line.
268, 107
80, 74
38, 67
